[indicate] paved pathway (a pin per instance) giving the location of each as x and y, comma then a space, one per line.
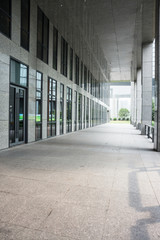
101, 183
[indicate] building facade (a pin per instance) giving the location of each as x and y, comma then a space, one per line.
54, 78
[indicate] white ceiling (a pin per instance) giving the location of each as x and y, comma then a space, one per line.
121, 26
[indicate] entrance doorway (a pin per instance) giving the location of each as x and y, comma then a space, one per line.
17, 114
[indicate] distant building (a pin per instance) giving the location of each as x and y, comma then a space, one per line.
120, 97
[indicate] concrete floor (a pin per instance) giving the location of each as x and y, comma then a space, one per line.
101, 183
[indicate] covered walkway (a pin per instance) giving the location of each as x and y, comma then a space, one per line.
102, 183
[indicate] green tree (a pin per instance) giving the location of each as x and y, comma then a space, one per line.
123, 113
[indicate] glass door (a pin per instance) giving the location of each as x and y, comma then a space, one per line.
17, 115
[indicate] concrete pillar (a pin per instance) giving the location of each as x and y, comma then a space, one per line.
117, 108
146, 86
133, 103
31, 104
157, 80
4, 100
138, 99
32, 74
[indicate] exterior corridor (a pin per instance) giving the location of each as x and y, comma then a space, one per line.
101, 183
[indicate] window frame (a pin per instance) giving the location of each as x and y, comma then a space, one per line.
85, 77
51, 100
64, 57
55, 48
77, 69
75, 110
69, 107
62, 101
80, 111
9, 15
22, 29
71, 65
41, 100
41, 45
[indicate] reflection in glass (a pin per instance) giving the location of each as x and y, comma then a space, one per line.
38, 111
21, 114
52, 101
5, 17
18, 73
75, 110
69, 110
39, 83
84, 112
61, 107
17, 115
87, 113
80, 111
12, 115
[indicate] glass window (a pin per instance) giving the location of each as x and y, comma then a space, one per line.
64, 56
75, 110
85, 78
84, 112
42, 36
80, 111
61, 108
52, 102
96, 89
93, 116
25, 21
55, 47
77, 70
91, 84
39, 106
90, 113
69, 110
88, 82
71, 64
87, 113
5, 17
99, 90
81, 84
19, 73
